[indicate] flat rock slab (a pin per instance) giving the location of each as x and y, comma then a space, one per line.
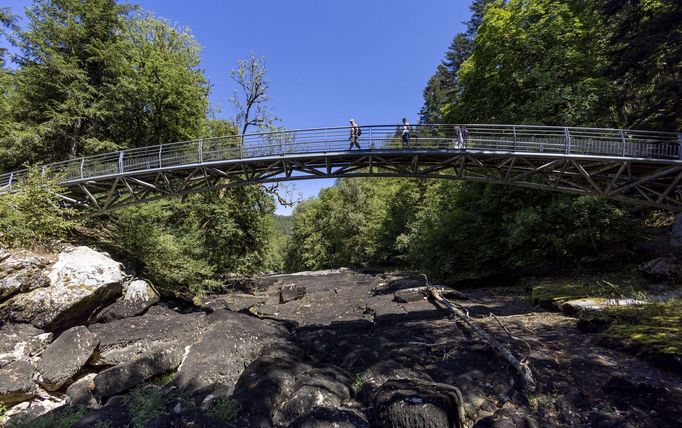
65, 357
232, 342
128, 375
291, 292
16, 382
124, 340
19, 341
81, 280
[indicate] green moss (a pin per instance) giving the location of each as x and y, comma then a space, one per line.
657, 327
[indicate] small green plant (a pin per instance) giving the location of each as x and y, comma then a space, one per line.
359, 381
145, 406
162, 379
3, 411
225, 409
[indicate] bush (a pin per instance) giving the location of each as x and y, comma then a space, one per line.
225, 409
145, 406
32, 217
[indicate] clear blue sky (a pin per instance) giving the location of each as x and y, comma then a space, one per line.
327, 60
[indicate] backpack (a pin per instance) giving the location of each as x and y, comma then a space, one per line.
359, 131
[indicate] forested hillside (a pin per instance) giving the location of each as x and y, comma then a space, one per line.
577, 63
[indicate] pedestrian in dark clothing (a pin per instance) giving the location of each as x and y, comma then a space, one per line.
406, 133
355, 132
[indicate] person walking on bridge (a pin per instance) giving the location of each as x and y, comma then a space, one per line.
406, 133
355, 132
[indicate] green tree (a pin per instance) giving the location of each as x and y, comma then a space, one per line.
645, 61
540, 62
162, 96
71, 56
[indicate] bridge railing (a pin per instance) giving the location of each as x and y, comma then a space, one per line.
438, 137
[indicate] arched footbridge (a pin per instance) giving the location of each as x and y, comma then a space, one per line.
639, 167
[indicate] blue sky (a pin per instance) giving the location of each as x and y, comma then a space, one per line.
327, 60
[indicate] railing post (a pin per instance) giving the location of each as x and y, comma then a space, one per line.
160, 148
514, 132
81, 168
622, 140
11, 177
567, 141
281, 143
120, 162
371, 140
201, 151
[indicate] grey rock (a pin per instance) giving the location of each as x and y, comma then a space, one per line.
21, 271
126, 376
20, 341
232, 342
410, 403
123, 340
323, 417
291, 292
662, 269
507, 418
65, 357
16, 384
81, 281
137, 297
80, 393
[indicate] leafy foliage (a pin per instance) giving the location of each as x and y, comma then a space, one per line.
145, 406
186, 245
225, 409
31, 217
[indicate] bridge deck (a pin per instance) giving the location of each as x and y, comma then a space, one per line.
636, 166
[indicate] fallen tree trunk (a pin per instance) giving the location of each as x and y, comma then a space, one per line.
521, 367
416, 294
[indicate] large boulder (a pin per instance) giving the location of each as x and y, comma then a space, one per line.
126, 376
662, 269
137, 297
21, 271
65, 357
410, 403
232, 342
80, 393
127, 339
81, 281
20, 341
278, 389
16, 382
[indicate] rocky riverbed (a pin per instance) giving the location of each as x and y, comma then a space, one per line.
85, 343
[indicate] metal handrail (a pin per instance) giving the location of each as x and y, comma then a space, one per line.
606, 142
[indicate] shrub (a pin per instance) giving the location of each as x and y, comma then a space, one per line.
32, 217
225, 409
145, 406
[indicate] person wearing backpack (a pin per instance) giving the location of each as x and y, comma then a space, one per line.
355, 133
406, 133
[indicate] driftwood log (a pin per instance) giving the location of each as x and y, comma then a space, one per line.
408, 295
521, 367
